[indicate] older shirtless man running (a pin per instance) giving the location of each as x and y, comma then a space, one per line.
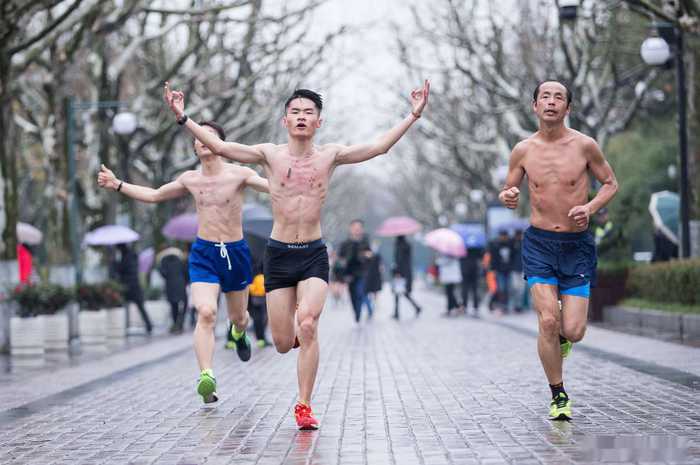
559, 257
219, 259
296, 261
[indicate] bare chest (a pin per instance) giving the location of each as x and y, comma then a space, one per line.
556, 167
223, 192
293, 176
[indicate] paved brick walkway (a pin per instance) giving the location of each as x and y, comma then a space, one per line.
421, 391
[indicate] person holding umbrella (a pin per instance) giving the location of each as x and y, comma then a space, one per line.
296, 258
126, 271
219, 259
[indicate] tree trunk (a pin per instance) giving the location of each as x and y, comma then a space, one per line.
8, 166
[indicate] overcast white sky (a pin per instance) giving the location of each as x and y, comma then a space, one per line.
360, 99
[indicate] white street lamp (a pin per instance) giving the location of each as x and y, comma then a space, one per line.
124, 123
655, 51
568, 9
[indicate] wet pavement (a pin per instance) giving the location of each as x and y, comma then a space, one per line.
427, 390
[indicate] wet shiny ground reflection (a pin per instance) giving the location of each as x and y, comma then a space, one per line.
617, 448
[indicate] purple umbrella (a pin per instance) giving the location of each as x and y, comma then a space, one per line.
474, 235
111, 235
146, 260
181, 227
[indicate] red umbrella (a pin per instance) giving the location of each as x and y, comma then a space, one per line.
398, 226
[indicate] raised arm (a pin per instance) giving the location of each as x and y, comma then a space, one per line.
362, 152
106, 179
231, 150
510, 194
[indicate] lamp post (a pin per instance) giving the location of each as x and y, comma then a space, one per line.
655, 51
568, 10
123, 123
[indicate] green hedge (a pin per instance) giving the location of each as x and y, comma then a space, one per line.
93, 297
41, 299
675, 281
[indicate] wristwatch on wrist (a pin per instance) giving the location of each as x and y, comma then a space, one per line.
182, 120
415, 115
120, 186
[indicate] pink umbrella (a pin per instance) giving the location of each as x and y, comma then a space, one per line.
111, 235
181, 227
398, 226
146, 260
28, 234
446, 241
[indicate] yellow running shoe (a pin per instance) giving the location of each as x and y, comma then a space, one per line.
560, 407
566, 346
206, 386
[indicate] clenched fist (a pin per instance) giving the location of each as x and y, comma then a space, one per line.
510, 197
107, 179
581, 215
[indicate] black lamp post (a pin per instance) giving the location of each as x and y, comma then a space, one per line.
568, 10
656, 51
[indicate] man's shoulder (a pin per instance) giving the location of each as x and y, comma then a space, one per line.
189, 175
522, 147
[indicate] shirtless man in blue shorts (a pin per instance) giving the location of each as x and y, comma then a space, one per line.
559, 257
219, 259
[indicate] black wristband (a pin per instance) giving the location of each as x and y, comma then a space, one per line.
183, 119
120, 186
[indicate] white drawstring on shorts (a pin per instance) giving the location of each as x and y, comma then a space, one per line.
224, 253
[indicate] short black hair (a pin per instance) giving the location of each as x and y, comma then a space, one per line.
305, 93
219, 130
357, 220
569, 95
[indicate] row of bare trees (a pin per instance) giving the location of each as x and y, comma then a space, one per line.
235, 60
485, 59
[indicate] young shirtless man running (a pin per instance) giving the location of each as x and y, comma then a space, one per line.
296, 261
559, 257
219, 258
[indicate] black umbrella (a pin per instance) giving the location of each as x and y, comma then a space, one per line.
257, 227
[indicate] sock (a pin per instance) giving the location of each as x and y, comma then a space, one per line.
235, 333
557, 389
562, 339
208, 371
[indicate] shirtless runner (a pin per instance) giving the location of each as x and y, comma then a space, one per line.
559, 257
296, 261
219, 259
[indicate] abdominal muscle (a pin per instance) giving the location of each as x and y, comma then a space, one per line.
551, 206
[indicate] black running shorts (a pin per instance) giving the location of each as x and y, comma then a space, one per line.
284, 265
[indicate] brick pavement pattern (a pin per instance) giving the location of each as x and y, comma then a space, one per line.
422, 391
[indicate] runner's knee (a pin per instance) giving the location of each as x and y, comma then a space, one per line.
549, 324
206, 314
576, 333
282, 345
307, 327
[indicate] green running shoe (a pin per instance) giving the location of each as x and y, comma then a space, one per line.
206, 387
566, 346
241, 343
560, 407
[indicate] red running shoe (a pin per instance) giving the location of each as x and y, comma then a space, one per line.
305, 417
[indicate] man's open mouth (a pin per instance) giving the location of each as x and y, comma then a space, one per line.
301, 125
